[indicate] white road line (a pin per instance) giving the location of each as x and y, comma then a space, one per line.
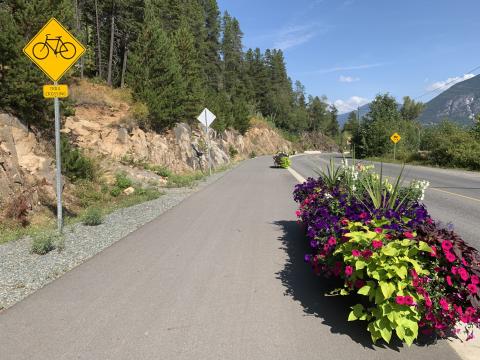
296, 175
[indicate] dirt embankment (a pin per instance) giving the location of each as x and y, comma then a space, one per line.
105, 128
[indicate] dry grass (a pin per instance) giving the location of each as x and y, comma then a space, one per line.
85, 92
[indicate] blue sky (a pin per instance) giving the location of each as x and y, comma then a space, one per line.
351, 50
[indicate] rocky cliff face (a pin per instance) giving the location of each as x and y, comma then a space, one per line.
27, 163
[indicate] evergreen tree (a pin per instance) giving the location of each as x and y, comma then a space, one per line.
154, 74
191, 72
211, 50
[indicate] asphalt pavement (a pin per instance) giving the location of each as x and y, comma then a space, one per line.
220, 276
453, 196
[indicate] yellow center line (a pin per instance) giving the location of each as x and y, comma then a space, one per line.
455, 194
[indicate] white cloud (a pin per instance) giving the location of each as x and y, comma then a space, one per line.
444, 85
295, 35
351, 104
345, 68
348, 79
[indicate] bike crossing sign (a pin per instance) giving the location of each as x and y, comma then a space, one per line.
395, 138
54, 49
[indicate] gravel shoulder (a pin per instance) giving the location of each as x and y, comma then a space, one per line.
22, 273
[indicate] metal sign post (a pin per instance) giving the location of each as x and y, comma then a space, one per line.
56, 105
206, 118
55, 50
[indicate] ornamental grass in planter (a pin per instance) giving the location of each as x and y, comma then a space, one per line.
379, 240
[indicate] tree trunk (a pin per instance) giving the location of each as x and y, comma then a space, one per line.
124, 64
110, 57
78, 28
99, 46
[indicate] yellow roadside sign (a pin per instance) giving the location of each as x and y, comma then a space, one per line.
55, 91
54, 50
395, 138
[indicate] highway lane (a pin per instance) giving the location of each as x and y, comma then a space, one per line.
453, 196
220, 276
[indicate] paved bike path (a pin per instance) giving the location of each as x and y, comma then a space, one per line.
221, 276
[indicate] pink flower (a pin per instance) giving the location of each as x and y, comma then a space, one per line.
434, 252
363, 215
414, 274
450, 257
332, 241
475, 280
463, 274
356, 253
298, 213
446, 245
400, 300
454, 270
444, 304
408, 235
409, 300
449, 280
378, 230
344, 222
428, 301
388, 236
464, 262
472, 288
367, 253
377, 244
348, 270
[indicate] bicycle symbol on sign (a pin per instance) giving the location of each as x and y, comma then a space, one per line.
41, 50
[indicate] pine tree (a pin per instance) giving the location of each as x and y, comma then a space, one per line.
154, 74
211, 50
191, 72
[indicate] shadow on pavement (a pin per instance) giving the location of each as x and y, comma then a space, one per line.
310, 291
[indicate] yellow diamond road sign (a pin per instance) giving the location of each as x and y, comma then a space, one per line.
54, 50
395, 138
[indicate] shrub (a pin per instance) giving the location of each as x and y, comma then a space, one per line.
232, 151
115, 191
282, 160
17, 210
44, 242
253, 155
93, 217
75, 165
122, 181
159, 170
184, 180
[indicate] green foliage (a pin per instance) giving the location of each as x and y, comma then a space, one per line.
333, 174
122, 181
253, 155
75, 165
284, 162
44, 242
388, 270
155, 76
184, 180
93, 217
450, 145
115, 191
232, 151
159, 170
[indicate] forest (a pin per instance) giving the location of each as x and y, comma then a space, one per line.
176, 57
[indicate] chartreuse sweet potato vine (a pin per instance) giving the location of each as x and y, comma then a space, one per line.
389, 266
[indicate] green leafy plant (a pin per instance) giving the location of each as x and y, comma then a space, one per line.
93, 217
386, 268
45, 241
75, 165
122, 181
332, 175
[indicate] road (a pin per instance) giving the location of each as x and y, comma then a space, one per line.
220, 276
453, 196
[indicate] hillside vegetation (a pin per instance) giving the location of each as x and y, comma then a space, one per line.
177, 57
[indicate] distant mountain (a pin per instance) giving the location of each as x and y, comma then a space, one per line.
343, 118
460, 103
